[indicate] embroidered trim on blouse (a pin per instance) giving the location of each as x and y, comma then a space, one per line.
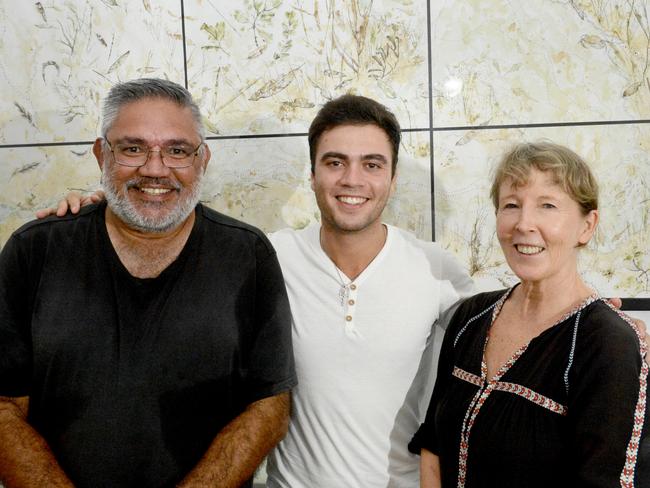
465, 376
627, 474
460, 332
589, 301
479, 400
486, 387
514, 388
533, 396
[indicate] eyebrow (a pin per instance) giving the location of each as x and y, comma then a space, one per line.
333, 155
130, 140
376, 157
505, 196
139, 140
345, 157
549, 197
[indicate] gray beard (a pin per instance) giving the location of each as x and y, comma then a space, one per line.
127, 212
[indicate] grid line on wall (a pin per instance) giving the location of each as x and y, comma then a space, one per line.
431, 155
414, 129
184, 44
533, 125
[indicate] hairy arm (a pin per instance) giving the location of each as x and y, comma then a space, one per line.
240, 447
25, 458
429, 470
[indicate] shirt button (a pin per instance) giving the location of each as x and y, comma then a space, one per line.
348, 318
353, 286
350, 302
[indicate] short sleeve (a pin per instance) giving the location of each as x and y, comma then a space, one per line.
15, 342
426, 437
270, 368
456, 284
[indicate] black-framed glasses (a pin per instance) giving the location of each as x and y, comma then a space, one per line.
135, 155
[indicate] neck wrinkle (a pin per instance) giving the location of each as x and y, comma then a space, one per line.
538, 299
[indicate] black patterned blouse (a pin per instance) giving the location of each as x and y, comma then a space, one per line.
567, 409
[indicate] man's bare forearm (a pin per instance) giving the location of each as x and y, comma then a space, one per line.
241, 445
25, 458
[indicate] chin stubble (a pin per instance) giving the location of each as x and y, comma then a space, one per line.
122, 207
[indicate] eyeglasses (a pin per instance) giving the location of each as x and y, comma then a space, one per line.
135, 155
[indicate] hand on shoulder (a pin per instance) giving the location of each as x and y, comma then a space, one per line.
72, 202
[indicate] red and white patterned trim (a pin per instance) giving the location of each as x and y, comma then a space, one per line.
475, 406
514, 388
531, 395
488, 386
627, 474
466, 376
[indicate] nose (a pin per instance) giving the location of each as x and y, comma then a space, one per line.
525, 220
154, 166
351, 176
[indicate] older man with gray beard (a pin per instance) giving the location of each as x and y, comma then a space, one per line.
146, 341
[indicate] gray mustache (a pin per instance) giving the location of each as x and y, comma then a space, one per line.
152, 181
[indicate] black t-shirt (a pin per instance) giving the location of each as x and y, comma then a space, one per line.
131, 379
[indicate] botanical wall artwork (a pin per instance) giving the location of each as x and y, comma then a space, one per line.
466, 79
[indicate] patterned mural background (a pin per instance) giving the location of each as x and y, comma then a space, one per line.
466, 78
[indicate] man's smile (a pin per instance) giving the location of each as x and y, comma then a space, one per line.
155, 191
351, 200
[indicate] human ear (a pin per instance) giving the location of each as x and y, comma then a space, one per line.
206, 156
590, 224
99, 152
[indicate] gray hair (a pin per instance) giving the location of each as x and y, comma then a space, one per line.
134, 90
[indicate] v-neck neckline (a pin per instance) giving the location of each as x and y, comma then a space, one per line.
505, 367
122, 270
368, 270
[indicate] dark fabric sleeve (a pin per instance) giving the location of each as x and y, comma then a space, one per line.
270, 366
603, 406
15, 341
426, 436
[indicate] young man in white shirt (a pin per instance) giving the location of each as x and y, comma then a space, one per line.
364, 296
